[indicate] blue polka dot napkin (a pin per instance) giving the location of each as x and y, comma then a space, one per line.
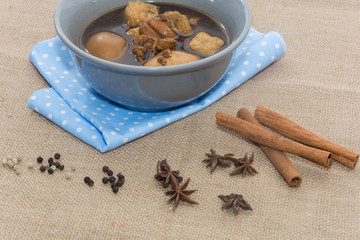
72, 104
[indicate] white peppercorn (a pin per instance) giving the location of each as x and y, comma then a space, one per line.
53, 167
15, 166
15, 161
17, 171
68, 176
4, 161
10, 164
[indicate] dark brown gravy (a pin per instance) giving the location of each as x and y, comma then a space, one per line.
114, 21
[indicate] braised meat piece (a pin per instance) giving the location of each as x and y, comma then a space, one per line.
145, 29
168, 43
137, 12
161, 28
177, 22
174, 58
205, 43
134, 32
141, 40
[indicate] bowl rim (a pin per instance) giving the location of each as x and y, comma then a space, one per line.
187, 67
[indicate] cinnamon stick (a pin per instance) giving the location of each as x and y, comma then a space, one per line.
264, 137
289, 129
277, 158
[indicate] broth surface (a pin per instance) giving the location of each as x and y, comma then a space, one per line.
114, 21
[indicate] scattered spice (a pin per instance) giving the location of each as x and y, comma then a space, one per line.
290, 129
277, 158
86, 179
215, 160
179, 192
262, 136
50, 161
57, 155
243, 166
110, 173
42, 168
50, 171
91, 183
115, 184
119, 183
164, 173
61, 167
234, 201
12, 163
57, 164
105, 180
115, 189
105, 169
112, 179
68, 176
121, 180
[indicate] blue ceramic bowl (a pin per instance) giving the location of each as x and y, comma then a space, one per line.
151, 88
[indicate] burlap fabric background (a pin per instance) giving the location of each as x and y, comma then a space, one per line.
315, 84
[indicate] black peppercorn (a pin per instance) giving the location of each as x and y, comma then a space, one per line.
57, 164
113, 185
42, 168
105, 180
105, 168
50, 171
110, 172
61, 167
50, 161
112, 179
39, 159
91, 183
120, 176
119, 183
86, 179
115, 189
57, 155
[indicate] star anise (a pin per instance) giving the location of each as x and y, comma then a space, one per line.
164, 173
215, 160
180, 192
243, 166
235, 201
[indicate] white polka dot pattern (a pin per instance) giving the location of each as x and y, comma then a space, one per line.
74, 106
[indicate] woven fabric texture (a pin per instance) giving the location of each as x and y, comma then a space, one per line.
316, 84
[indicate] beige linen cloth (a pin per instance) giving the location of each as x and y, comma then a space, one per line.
316, 84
